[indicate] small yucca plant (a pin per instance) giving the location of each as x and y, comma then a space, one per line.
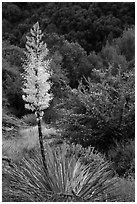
67, 179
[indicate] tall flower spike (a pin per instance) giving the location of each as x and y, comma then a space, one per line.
36, 80
37, 72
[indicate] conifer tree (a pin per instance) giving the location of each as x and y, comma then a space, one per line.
36, 76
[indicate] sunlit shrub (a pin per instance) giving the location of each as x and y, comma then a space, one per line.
98, 113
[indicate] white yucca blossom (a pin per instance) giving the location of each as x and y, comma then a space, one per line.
37, 72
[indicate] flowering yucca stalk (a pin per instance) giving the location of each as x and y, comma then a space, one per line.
36, 78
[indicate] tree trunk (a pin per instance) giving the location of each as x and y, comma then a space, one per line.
41, 144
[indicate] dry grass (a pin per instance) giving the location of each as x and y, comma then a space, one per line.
126, 190
28, 139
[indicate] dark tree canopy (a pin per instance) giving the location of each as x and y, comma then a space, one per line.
88, 23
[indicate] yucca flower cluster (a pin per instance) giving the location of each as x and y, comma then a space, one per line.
37, 72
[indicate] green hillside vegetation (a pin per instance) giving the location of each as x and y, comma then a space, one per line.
89, 127
89, 24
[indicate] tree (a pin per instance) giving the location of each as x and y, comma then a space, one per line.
36, 79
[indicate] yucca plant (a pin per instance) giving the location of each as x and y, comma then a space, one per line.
67, 179
36, 86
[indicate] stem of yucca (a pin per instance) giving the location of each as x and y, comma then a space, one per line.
41, 143
43, 151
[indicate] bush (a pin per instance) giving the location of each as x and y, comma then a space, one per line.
126, 44
110, 54
30, 119
99, 113
13, 54
126, 190
123, 158
11, 78
65, 179
9, 120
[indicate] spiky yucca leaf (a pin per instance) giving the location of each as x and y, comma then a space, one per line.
67, 179
26, 181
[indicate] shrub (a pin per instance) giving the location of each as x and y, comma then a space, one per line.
123, 158
110, 54
13, 54
126, 190
100, 112
9, 120
30, 119
126, 43
65, 180
11, 78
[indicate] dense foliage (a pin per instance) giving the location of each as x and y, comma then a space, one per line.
123, 157
11, 78
88, 23
100, 113
101, 110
